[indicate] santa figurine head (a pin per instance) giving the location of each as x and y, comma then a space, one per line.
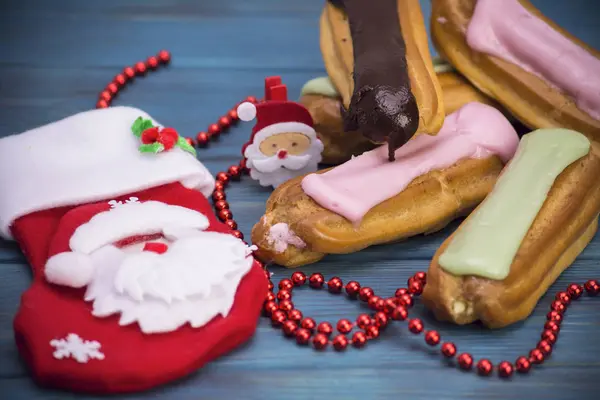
283, 143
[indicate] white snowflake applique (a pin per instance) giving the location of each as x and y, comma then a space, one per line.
115, 203
75, 347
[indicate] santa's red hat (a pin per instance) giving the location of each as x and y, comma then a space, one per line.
276, 114
88, 228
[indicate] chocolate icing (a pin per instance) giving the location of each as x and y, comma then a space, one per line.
382, 106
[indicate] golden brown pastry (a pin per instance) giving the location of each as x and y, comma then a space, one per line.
369, 200
541, 214
511, 52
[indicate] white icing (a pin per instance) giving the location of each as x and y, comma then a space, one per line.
280, 236
76, 348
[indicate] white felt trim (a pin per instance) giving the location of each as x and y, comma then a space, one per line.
88, 157
130, 220
284, 127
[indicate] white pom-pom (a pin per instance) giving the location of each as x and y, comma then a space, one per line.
246, 111
69, 269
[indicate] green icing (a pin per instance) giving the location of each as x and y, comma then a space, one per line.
486, 244
321, 86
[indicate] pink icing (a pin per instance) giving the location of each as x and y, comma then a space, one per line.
507, 30
353, 188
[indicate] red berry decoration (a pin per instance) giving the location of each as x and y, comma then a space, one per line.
298, 278
316, 281
359, 339
340, 342
448, 349
432, 338
465, 361
344, 326
505, 369
484, 367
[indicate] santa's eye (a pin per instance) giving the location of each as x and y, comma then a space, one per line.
274, 145
294, 144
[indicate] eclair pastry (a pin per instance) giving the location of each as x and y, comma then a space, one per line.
543, 75
541, 214
369, 200
377, 55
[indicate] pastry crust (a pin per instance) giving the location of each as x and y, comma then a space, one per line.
428, 204
564, 226
529, 98
336, 47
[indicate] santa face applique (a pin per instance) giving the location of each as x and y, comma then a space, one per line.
284, 144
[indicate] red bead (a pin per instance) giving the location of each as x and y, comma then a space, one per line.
223, 177
536, 356
278, 317
359, 339
363, 320
152, 62
352, 288
202, 138
558, 305
112, 88
554, 316
270, 307
298, 278
406, 300
120, 79
295, 315
432, 338
421, 276
308, 323
549, 336
105, 95
545, 347
219, 186
286, 284
415, 325
320, 341
389, 304
302, 336
340, 342
552, 327
415, 287
164, 56
400, 292
484, 367
325, 328
344, 326
214, 130
373, 300
231, 223
448, 349
271, 297
129, 72
243, 166
335, 285
234, 172
233, 115
522, 365
270, 286
224, 122
218, 195
592, 287
365, 293
190, 141
372, 332
221, 205
284, 295
238, 234
289, 328
251, 99
286, 305
316, 281
563, 297
225, 215
399, 313
465, 361
575, 291
140, 68
381, 320
505, 369
102, 104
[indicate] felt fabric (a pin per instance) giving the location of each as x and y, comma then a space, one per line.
85, 158
104, 357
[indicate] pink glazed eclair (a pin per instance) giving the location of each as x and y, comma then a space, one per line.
543, 75
369, 200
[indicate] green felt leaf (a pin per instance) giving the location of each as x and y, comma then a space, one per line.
151, 148
184, 145
140, 125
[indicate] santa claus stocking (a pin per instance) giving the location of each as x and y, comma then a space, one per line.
135, 282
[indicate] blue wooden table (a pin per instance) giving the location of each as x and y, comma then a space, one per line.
55, 56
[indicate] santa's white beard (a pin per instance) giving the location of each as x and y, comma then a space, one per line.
273, 171
193, 282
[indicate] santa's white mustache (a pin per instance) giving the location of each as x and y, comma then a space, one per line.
274, 163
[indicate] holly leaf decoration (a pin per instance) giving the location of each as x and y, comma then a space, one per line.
151, 148
140, 125
184, 145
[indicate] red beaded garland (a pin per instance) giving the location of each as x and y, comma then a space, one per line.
505, 369
372, 332
536, 356
298, 278
522, 365
365, 293
359, 339
484, 367
465, 361
415, 325
289, 328
352, 289
286, 305
302, 336
308, 323
340, 342
295, 315
335, 285
320, 341
448, 349
344, 326
592, 287
432, 338
286, 284
325, 328
278, 317
316, 281
363, 321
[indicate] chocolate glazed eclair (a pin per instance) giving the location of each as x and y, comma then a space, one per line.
377, 56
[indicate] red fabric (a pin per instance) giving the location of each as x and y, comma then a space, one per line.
133, 361
275, 112
271, 81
